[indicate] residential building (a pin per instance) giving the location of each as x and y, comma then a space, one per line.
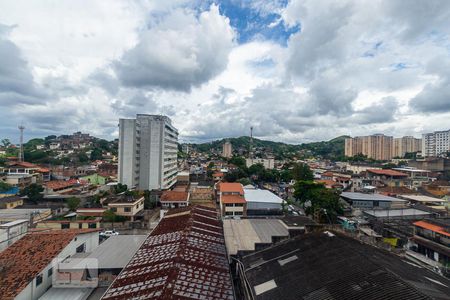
28, 264
173, 199
406, 144
432, 240
377, 146
435, 143
372, 201
94, 179
227, 150
262, 202
387, 177
127, 206
90, 212
16, 168
11, 232
231, 199
268, 163
69, 224
34, 215
148, 147
10, 202
327, 265
184, 257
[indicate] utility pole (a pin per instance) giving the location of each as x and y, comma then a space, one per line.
21, 154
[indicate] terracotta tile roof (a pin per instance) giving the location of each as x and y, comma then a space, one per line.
25, 259
387, 172
432, 227
183, 258
229, 187
61, 184
227, 199
328, 174
174, 196
328, 182
218, 174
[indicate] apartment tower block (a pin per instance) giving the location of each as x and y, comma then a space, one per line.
148, 147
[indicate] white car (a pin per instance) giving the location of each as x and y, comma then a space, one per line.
108, 233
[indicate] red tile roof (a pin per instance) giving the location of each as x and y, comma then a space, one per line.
230, 187
174, 196
387, 172
218, 174
183, 258
26, 258
228, 199
61, 184
432, 227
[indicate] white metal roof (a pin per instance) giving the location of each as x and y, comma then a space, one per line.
257, 195
369, 197
396, 212
422, 198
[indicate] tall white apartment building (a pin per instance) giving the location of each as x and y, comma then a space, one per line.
148, 147
436, 143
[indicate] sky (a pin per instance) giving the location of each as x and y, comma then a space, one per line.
296, 70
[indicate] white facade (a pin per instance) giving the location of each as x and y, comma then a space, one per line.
148, 147
34, 291
268, 163
436, 143
11, 232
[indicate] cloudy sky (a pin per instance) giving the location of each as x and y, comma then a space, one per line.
297, 71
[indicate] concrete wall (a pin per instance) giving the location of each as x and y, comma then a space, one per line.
127, 151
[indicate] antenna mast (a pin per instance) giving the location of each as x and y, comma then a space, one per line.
21, 154
251, 143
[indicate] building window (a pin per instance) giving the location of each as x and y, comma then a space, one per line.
39, 280
80, 225
50, 272
127, 209
113, 209
229, 213
92, 225
81, 248
65, 225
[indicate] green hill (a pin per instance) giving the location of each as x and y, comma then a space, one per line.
332, 149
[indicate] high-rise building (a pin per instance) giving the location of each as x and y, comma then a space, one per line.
406, 144
436, 143
377, 146
227, 150
148, 147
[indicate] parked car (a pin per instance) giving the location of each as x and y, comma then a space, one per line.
108, 233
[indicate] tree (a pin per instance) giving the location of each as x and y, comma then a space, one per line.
302, 172
96, 154
82, 157
6, 143
315, 198
238, 161
245, 181
149, 200
73, 203
120, 188
33, 191
4, 187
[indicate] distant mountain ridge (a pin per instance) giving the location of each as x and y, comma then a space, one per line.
332, 149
